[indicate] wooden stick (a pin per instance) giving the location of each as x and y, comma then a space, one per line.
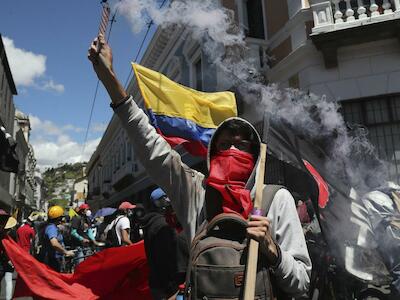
105, 17
252, 256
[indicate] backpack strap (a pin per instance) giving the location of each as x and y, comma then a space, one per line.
118, 219
269, 192
116, 222
226, 217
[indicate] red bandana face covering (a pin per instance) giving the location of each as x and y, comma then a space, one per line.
229, 172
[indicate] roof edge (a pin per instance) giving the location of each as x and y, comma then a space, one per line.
7, 69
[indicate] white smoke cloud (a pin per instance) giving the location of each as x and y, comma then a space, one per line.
349, 156
28, 68
223, 43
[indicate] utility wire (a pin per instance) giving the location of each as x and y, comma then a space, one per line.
127, 80
151, 23
137, 54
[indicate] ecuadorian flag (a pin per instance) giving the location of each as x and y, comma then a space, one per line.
180, 114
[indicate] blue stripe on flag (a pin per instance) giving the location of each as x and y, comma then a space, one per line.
180, 127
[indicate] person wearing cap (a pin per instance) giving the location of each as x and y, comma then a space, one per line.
6, 268
80, 225
166, 246
80, 233
53, 247
122, 223
26, 234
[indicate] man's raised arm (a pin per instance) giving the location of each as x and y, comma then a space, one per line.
164, 165
102, 63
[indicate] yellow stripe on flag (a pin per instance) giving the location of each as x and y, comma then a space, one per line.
166, 97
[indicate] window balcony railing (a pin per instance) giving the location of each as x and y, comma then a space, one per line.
341, 23
338, 14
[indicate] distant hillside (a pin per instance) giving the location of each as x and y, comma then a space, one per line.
59, 181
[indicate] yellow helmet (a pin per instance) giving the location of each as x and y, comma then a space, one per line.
55, 212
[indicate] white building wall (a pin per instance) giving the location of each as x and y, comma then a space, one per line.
363, 70
294, 6
80, 187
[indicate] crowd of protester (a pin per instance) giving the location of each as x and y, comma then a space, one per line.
62, 242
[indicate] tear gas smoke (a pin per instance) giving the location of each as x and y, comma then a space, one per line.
224, 45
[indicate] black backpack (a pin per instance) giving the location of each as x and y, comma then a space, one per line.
112, 237
218, 258
39, 244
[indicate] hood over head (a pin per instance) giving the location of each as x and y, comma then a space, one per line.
255, 139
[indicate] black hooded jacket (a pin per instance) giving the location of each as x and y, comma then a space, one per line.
167, 254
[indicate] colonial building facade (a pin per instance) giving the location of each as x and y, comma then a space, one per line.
25, 184
347, 51
17, 190
7, 111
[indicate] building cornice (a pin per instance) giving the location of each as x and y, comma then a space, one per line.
303, 15
7, 69
304, 56
162, 41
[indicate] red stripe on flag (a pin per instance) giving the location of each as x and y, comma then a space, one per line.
195, 148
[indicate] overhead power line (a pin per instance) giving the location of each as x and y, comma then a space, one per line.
137, 54
151, 23
102, 28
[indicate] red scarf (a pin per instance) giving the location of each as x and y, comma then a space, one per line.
229, 172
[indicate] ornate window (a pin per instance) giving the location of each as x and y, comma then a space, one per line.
193, 55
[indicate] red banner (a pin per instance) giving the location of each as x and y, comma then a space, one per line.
117, 273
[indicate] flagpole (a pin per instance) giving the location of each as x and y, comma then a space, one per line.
252, 257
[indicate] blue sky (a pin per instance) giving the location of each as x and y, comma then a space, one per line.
46, 43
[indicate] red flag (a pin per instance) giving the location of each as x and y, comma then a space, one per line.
323, 190
117, 273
